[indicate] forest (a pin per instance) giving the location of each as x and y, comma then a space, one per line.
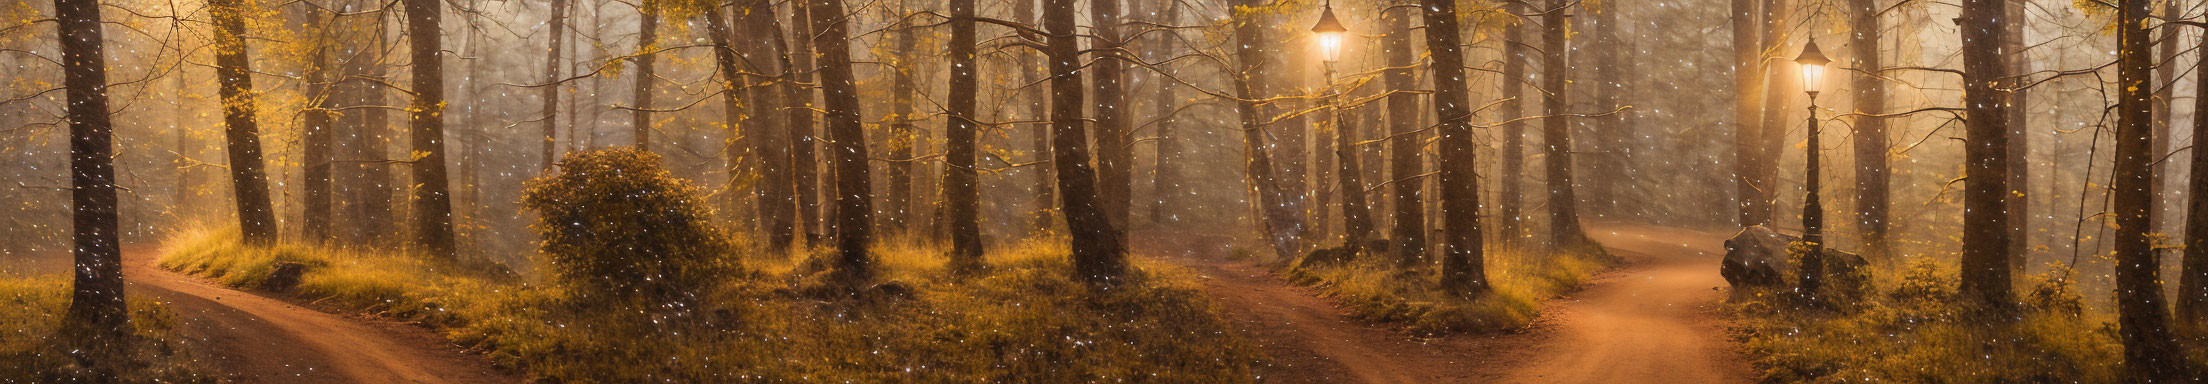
1054, 191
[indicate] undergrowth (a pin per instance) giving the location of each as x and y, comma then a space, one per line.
1024, 320
33, 349
1373, 289
1913, 328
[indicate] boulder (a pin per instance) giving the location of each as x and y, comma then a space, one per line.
1756, 257
285, 277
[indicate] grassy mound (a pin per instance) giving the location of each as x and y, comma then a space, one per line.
1373, 289
32, 348
1912, 328
1025, 320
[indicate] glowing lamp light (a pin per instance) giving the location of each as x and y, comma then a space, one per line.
1813, 64
1330, 32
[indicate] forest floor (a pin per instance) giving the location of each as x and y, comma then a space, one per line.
1651, 320
264, 339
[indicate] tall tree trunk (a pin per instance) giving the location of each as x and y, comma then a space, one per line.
1405, 163
799, 89
2192, 281
1356, 216
1613, 172
772, 142
1985, 264
1557, 131
551, 91
1781, 77
1045, 218
2019, 204
733, 114
847, 143
960, 179
1167, 193
1099, 250
97, 311
904, 65
1747, 102
2165, 92
647, 37
1513, 158
1283, 223
242, 134
1115, 157
1872, 175
2142, 319
1463, 252
317, 139
373, 140
432, 195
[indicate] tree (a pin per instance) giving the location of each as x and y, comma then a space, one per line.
317, 139
961, 187
1283, 223
1747, 130
847, 143
551, 91
802, 136
2192, 281
1168, 191
2019, 206
1115, 157
733, 86
432, 196
1463, 251
1099, 249
242, 135
1405, 163
1985, 264
647, 37
764, 120
1613, 171
1872, 174
1556, 130
2142, 320
1045, 190
96, 307
1513, 106
903, 89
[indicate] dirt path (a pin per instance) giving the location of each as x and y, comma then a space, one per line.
261, 339
1650, 321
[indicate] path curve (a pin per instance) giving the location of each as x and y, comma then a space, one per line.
1650, 321
260, 339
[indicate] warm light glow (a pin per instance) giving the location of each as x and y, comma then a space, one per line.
1813, 78
1813, 63
1330, 45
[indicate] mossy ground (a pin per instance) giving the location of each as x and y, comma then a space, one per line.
1373, 289
1023, 320
1912, 328
33, 348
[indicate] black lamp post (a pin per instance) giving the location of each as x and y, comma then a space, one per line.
1813, 211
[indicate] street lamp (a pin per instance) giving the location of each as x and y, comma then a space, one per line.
1813, 211
1356, 218
1330, 32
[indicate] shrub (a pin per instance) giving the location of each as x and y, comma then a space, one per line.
615, 223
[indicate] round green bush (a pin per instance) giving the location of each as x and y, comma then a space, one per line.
616, 224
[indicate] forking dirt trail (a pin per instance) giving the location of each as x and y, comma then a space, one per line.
1651, 320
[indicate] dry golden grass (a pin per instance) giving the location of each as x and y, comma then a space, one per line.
1373, 289
32, 348
1914, 329
1025, 320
